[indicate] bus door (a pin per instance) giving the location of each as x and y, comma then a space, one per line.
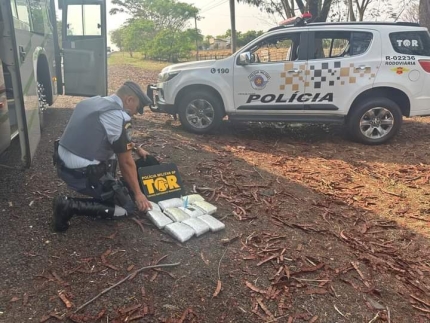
84, 39
16, 53
4, 113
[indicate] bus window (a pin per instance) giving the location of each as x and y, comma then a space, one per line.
84, 20
37, 13
92, 20
13, 6
22, 8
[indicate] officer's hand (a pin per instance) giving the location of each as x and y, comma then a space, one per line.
141, 152
142, 203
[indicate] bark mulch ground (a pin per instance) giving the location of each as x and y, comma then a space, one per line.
318, 229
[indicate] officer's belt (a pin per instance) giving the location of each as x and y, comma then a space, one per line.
95, 171
77, 173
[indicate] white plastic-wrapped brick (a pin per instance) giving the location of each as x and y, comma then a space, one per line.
179, 231
193, 211
174, 202
176, 214
213, 223
199, 226
155, 206
205, 206
192, 198
159, 218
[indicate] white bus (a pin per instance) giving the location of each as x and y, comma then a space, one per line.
35, 69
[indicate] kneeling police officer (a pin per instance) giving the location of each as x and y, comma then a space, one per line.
96, 139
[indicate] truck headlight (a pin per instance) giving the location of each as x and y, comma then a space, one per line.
164, 77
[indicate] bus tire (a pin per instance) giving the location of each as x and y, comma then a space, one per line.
43, 104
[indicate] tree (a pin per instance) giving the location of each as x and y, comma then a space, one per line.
117, 38
412, 13
165, 14
369, 10
60, 33
172, 46
287, 8
424, 10
362, 6
245, 38
137, 35
206, 42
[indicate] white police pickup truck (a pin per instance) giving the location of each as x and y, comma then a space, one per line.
367, 75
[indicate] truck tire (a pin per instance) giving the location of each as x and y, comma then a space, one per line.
375, 121
200, 112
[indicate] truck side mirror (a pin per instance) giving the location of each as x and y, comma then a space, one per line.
244, 58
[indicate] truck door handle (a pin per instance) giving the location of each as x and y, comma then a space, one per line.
295, 71
22, 53
362, 68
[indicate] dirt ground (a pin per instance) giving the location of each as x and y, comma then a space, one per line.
318, 229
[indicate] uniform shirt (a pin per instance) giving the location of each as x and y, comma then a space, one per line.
113, 121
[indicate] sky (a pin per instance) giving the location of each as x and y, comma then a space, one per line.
216, 17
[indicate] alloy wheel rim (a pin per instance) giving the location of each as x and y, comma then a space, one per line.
376, 123
200, 113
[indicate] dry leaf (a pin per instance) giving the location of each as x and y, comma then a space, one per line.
65, 300
254, 288
218, 289
265, 309
206, 261
130, 308
267, 259
316, 291
343, 236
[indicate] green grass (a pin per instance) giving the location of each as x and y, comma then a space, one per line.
123, 58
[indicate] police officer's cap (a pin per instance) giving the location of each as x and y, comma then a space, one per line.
143, 98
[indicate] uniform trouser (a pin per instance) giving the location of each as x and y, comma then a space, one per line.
107, 189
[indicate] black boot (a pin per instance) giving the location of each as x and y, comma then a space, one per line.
64, 208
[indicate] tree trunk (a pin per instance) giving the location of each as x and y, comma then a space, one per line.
361, 15
323, 14
425, 13
351, 11
313, 8
301, 6
289, 9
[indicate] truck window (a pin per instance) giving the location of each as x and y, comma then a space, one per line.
335, 44
411, 43
84, 20
279, 48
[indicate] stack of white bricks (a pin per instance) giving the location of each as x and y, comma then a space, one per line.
185, 217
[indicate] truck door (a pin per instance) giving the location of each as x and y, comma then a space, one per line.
272, 84
84, 47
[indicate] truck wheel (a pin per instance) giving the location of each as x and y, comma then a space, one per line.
375, 121
43, 104
200, 112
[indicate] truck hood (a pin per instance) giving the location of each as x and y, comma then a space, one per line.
188, 66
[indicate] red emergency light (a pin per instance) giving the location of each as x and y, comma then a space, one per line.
298, 20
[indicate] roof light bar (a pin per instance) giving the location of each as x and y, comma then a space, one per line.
298, 20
